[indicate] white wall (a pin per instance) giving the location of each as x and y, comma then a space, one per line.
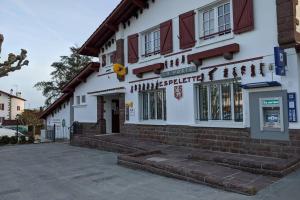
4, 99
60, 114
257, 43
14, 104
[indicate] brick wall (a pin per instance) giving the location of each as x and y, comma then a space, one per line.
286, 23
217, 139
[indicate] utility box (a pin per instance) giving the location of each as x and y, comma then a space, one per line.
271, 114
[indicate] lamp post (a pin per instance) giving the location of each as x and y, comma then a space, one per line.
17, 118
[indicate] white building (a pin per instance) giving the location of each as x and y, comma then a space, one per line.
10, 105
198, 69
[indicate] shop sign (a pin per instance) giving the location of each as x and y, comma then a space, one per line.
280, 61
292, 107
178, 72
271, 102
178, 91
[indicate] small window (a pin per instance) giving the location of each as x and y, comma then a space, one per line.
83, 99
110, 58
18, 108
153, 105
1, 106
151, 43
215, 21
78, 100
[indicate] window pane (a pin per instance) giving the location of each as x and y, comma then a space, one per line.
226, 101
227, 8
152, 105
220, 11
238, 102
203, 103
145, 106
159, 105
215, 102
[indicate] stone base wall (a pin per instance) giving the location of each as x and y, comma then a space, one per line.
217, 139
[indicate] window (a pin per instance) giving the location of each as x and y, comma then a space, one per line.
110, 59
18, 108
151, 43
219, 101
1, 106
78, 100
215, 21
153, 105
83, 99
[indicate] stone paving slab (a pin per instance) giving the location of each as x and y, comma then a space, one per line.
180, 162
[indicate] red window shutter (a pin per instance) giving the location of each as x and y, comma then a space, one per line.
243, 16
166, 38
187, 30
133, 48
103, 60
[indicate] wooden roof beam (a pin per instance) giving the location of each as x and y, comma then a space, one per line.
139, 3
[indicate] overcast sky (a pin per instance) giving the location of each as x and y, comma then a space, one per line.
46, 29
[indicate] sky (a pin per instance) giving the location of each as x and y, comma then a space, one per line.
46, 29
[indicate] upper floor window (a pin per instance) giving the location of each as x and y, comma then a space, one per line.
78, 100
151, 42
215, 21
83, 99
1, 106
153, 105
18, 108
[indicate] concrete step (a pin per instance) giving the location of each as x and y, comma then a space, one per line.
256, 164
201, 172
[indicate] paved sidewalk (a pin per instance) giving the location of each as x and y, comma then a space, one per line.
63, 172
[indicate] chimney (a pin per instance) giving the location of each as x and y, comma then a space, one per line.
11, 91
18, 94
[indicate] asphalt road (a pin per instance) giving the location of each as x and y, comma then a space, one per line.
63, 172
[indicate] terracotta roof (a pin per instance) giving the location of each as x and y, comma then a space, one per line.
124, 11
12, 96
81, 76
55, 105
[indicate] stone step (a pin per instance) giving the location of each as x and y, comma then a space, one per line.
256, 164
201, 172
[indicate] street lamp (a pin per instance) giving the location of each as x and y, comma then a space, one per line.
17, 118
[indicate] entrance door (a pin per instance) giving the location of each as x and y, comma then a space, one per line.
115, 116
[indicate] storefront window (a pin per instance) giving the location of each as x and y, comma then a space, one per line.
226, 101
153, 105
220, 101
145, 105
238, 102
203, 103
215, 102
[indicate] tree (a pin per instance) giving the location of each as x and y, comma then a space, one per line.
9, 65
64, 70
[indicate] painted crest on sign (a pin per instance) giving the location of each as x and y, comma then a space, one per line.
178, 91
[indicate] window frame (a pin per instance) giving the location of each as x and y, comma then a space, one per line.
233, 117
149, 55
147, 116
216, 36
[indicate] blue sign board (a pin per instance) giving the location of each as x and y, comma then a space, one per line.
280, 61
292, 106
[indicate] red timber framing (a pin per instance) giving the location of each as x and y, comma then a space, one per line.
226, 51
156, 68
81, 77
122, 13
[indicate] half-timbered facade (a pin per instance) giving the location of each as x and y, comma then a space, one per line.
216, 74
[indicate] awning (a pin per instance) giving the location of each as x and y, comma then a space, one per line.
261, 85
119, 90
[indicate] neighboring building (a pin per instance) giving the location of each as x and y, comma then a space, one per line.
10, 105
201, 74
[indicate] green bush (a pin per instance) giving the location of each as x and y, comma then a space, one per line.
4, 140
13, 140
22, 139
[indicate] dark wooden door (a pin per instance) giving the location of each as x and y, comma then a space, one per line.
115, 116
